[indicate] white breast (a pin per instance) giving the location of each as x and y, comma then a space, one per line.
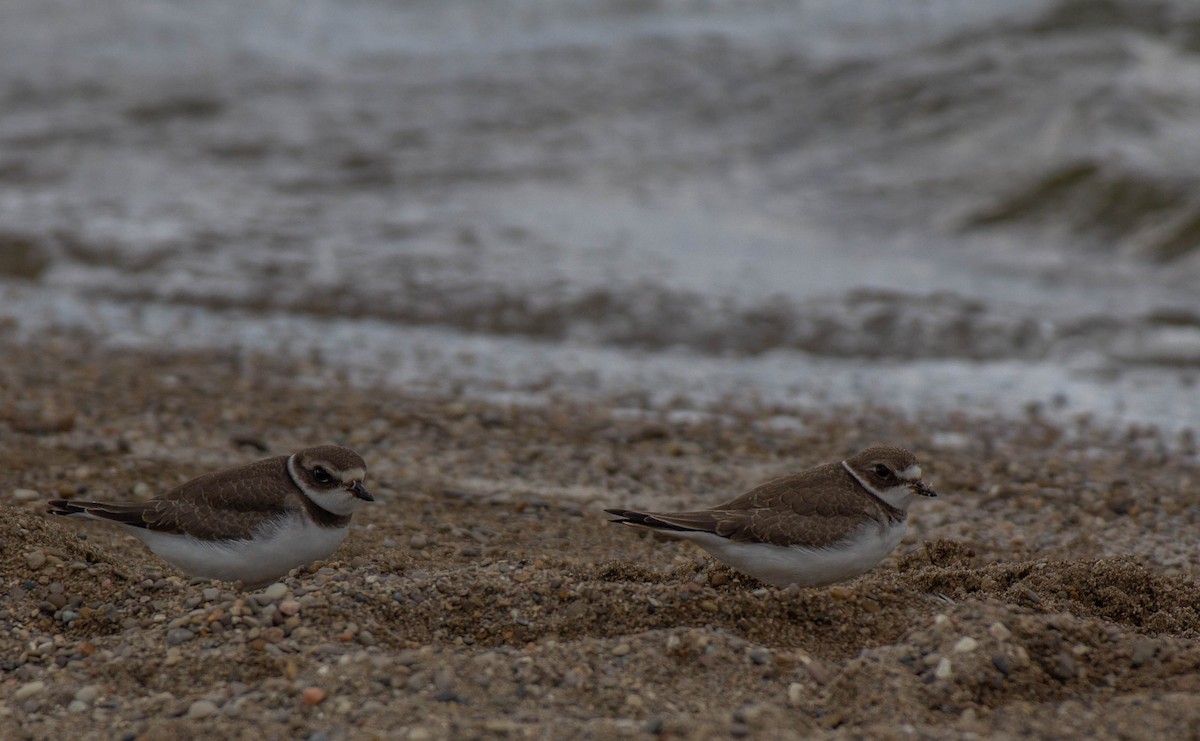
273, 551
782, 566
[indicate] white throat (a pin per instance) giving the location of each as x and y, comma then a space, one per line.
897, 496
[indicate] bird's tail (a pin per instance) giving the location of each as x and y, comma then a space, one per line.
649, 520
124, 514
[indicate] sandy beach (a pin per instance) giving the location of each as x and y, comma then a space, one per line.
1049, 589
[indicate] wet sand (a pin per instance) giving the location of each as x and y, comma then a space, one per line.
1049, 590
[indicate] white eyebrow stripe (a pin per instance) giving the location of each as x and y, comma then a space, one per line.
912, 473
859, 479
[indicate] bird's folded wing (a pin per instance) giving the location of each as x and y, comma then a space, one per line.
777, 527
205, 522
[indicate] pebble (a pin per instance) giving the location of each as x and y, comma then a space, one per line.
998, 631
87, 694
965, 645
760, 656
201, 709
1001, 663
289, 607
313, 695
944, 669
25, 495
28, 690
820, 673
35, 559
795, 693
1064, 667
276, 591
621, 649
176, 636
1143, 650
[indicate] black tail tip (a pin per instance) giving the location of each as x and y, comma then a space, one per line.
625, 516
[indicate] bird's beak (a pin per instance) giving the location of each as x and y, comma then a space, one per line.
922, 488
357, 490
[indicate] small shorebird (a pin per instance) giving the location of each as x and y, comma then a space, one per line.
812, 528
253, 523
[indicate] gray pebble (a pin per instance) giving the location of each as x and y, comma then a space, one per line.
1064, 667
760, 656
176, 636
88, 694
1144, 650
28, 690
1002, 665
201, 709
275, 592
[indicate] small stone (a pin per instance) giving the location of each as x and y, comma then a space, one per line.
1001, 663
795, 693
289, 607
719, 579
176, 636
944, 670
201, 709
998, 631
418, 541
621, 649
313, 695
819, 671
840, 593
28, 690
211, 594
760, 656
1064, 667
76, 706
88, 694
35, 559
25, 495
1143, 650
276, 591
965, 645
708, 605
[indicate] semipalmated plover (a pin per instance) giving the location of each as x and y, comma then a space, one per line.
253, 523
812, 528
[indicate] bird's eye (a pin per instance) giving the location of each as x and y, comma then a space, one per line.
883, 471
321, 476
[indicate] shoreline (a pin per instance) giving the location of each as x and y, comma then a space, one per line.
486, 596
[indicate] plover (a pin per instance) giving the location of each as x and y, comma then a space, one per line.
812, 528
253, 523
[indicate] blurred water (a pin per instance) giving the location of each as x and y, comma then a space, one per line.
923, 203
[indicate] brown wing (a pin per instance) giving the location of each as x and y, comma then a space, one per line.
229, 504
785, 511
777, 527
